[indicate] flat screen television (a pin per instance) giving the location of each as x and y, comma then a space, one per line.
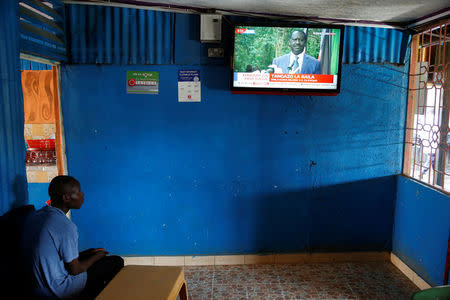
286, 59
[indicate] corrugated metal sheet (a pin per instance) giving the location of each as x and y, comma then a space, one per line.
32, 65
42, 29
13, 186
112, 35
374, 45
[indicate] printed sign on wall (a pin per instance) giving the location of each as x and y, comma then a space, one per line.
142, 82
189, 86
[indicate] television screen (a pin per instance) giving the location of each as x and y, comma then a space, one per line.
304, 59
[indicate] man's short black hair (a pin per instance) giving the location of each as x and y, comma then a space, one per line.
61, 185
299, 30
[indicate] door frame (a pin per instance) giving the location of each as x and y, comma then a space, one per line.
61, 159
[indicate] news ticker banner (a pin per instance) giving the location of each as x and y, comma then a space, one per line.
310, 78
272, 80
142, 82
189, 86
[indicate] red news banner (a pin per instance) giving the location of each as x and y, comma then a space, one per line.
314, 78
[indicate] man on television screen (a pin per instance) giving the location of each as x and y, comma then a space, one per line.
297, 61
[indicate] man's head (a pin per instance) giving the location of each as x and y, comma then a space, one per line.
297, 42
65, 191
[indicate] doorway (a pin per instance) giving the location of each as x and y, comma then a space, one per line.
42, 126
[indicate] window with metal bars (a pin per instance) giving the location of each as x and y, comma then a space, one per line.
427, 152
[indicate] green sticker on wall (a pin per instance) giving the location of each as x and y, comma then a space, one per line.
142, 82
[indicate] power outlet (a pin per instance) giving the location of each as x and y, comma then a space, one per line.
215, 52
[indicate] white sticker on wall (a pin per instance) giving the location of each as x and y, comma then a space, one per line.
189, 86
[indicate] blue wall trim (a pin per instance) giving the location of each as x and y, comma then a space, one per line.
422, 226
113, 35
375, 45
13, 189
106, 35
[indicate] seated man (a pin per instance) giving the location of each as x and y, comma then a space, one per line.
49, 249
297, 61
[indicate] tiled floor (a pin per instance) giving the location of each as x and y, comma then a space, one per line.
380, 280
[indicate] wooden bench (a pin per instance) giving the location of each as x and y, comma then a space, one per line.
146, 282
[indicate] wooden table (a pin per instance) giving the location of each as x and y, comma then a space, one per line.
146, 282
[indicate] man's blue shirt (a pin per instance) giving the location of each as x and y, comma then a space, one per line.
50, 239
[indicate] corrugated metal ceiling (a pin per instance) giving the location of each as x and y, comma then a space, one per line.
369, 12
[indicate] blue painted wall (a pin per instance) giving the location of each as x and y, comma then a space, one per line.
234, 173
422, 225
38, 194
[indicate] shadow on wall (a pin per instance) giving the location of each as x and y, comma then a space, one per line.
20, 191
355, 216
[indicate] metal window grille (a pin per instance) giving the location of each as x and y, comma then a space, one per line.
427, 156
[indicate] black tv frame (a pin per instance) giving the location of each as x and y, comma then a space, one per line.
287, 91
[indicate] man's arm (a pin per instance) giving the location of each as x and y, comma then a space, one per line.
275, 67
79, 265
276, 61
88, 252
318, 68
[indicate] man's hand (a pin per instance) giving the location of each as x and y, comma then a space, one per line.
89, 252
85, 259
85, 254
273, 69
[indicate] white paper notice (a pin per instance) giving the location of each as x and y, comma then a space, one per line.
189, 86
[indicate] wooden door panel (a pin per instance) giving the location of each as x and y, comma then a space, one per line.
38, 97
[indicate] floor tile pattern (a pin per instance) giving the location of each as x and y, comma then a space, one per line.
378, 280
